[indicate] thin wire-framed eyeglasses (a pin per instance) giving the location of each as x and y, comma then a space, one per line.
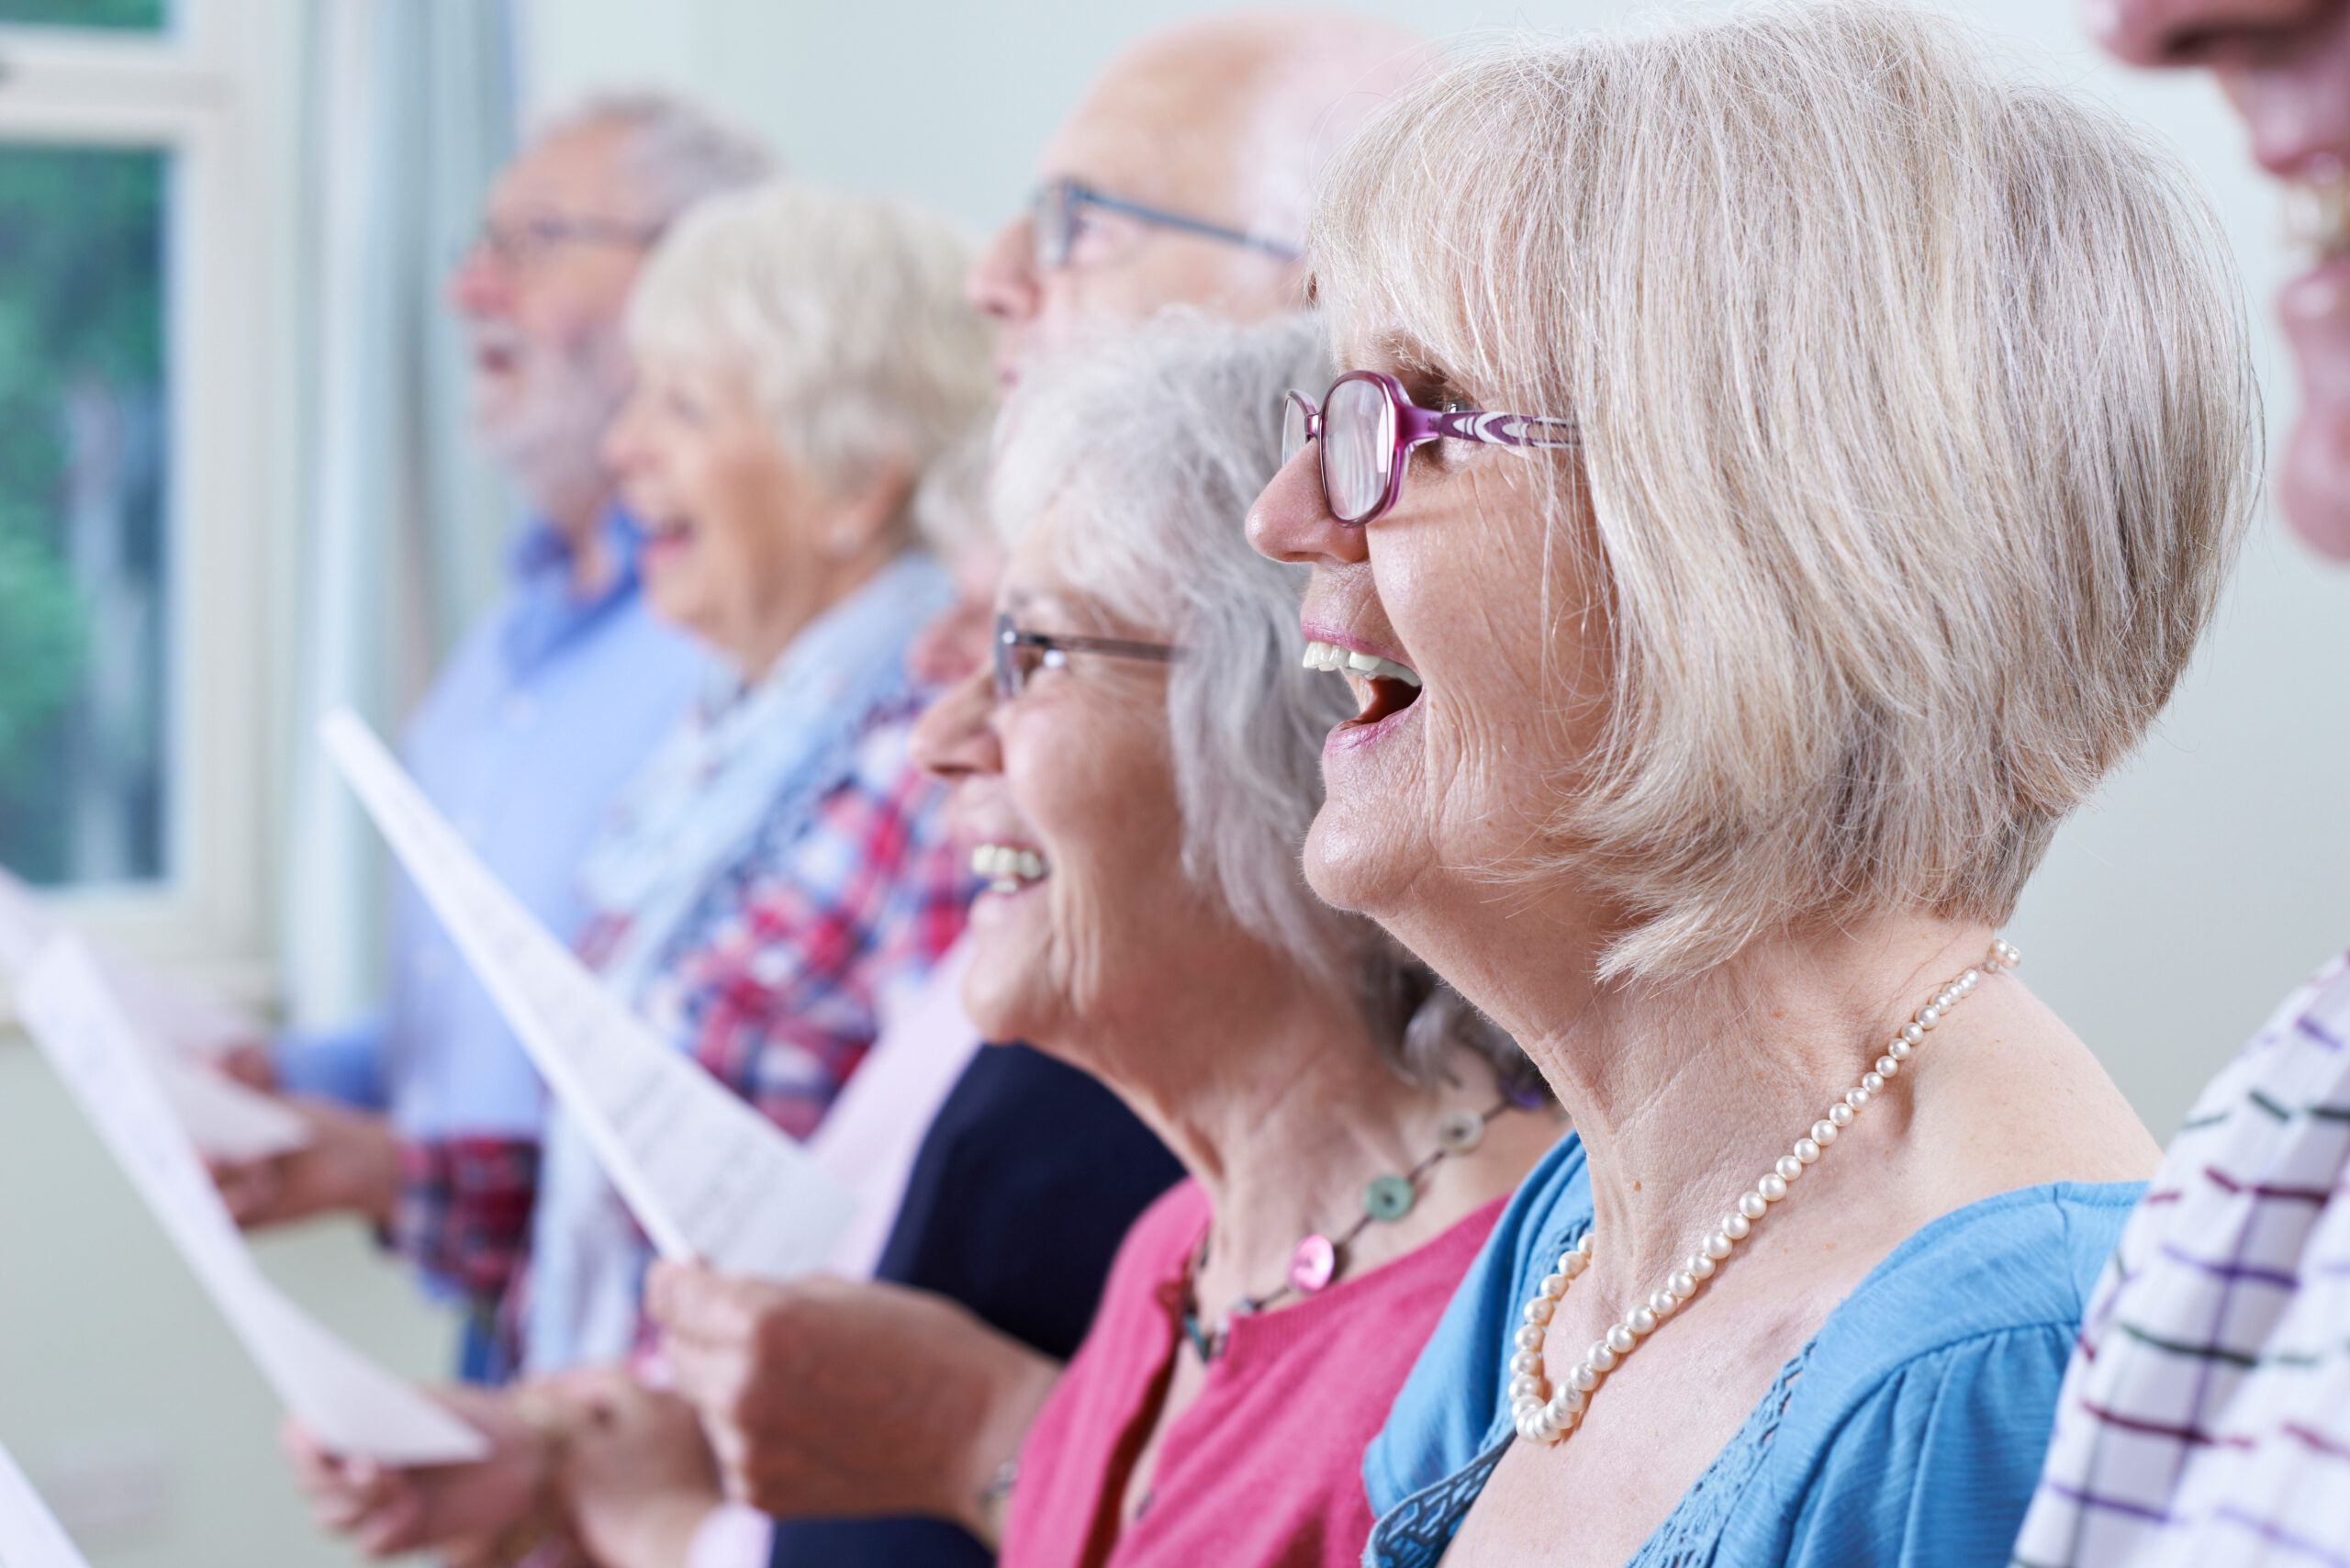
1055, 210
1020, 654
1367, 425
529, 243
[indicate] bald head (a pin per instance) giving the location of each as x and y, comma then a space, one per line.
1225, 121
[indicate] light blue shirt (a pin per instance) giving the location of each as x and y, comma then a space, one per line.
1908, 1433
534, 727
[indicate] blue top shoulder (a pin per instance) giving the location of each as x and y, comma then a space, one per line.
1907, 1433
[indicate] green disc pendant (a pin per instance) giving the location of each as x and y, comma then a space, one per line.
1388, 1198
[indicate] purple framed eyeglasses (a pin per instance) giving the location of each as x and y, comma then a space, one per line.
1367, 425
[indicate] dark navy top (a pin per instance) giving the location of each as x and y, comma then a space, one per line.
1024, 1186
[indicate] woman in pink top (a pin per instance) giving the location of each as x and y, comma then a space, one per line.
1134, 779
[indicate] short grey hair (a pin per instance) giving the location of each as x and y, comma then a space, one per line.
676, 152
1148, 450
845, 311
1918, 436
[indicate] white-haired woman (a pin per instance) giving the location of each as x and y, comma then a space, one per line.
1135, 773
780, 869
1836, 449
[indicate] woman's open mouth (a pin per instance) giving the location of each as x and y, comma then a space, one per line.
1008, 868
1383, 687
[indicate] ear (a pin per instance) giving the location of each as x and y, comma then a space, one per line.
865, 513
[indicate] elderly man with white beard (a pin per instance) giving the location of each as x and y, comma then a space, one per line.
426, 1117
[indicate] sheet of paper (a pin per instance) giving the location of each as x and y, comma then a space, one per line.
708, 1177
352, 1405
182, 1029
30, 1536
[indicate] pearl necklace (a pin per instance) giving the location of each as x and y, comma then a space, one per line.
1544, 1417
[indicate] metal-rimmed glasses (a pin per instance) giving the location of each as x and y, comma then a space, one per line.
1367, 425
1019, 654
527, 244
1054, 212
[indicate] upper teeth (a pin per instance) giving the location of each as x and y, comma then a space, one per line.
2317, 215
1346, 661
1007, 866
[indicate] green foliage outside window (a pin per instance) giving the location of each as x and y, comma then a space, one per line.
140, 15
82, 301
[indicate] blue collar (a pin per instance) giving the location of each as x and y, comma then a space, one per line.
546, 613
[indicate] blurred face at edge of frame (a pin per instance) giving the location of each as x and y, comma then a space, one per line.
2286, 66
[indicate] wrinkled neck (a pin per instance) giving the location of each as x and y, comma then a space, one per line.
1685, 1094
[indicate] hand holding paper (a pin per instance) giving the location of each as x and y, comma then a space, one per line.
708, 1177
30, 1536
354, 1406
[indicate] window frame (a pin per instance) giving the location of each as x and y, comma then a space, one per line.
212, 89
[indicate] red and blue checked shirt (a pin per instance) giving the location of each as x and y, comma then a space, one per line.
2205, 1417
777, 991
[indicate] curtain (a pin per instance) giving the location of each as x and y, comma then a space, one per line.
408, 113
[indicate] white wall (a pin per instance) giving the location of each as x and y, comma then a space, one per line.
2168, 920
121, 1390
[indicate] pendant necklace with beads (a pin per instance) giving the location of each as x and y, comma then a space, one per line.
1320, 1259
1544, 1416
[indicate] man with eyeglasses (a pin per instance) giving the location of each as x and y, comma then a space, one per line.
425, 1119
1181, 179
1184, 177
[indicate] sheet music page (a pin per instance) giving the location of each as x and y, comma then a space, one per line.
182, 1029
25, 925
352, 1405
30, 1536
707, 1176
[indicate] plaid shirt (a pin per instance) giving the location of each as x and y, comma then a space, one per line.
778, 989
2205, 1419
778, 986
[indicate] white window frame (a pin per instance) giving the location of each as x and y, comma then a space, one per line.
214, 91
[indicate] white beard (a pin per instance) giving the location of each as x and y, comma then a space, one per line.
549, 436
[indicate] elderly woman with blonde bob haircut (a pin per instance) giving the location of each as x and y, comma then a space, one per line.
1834, 449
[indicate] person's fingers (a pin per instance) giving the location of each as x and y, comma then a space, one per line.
395, 1526
256, 1192
346, 1500
592, 1384
711, 1378
340, 1512
302, 1450
250, 1065
732, 1451
687, 1298
666, 1284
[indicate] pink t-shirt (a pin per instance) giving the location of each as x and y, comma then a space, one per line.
1265, 1469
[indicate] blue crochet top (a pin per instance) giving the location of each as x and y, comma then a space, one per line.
1907, 1433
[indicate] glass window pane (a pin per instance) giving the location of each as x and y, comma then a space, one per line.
139, 16
84, 534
